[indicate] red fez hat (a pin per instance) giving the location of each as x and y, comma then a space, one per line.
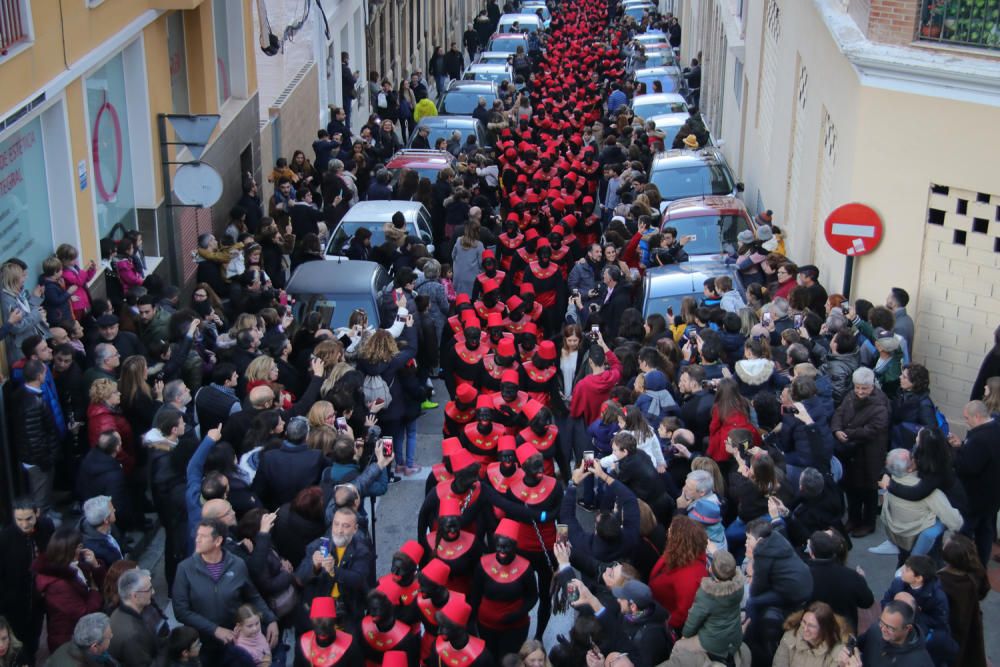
470, 319
510, 154
413, 550
450, 445
547, 350
522, 178
531, 408
559, 205
465, 393
484, 402
531, 197
558, 229
437, 571
489, 254
542, 243
530, 328
509, 376
457, 610
450, 507
323, 607
507, 444
462, 298
463, 459
588, 199
390, 591
507, 528
524, 452
394, 659
570, 220
532, 233
505, 348
514, 302
494, 320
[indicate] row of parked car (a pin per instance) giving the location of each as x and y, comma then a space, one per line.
702, 199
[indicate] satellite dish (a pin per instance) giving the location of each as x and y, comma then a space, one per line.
197, 184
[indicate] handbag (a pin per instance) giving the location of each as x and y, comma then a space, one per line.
284, 602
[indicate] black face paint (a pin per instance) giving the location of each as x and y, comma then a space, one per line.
508, 391
506, 550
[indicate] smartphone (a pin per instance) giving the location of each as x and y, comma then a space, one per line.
341, 424
797, 321
846, 308
575, 293
324, 547
572, 594
387, 446
562, 533
852, 644
588, 460
595, 332
692, 238
766, 319
283, 298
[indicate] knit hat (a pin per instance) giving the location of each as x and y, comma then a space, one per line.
886, 340
744, 237
723, 566
705, 512
635, 591
764, 233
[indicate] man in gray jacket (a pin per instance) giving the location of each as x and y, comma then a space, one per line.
210, 586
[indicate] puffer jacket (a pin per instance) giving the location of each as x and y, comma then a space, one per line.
101, 418
794, 651
715, 615
910, 411
67, 598
840, 369
799, 449
777, 568
756, 375
74, 275
656, 402
34, 430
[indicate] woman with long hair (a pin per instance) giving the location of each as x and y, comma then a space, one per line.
991, 396
68, 578
814, 637
407, 103
467, 259
989, 368
676, 576
265, 430
532, 654
684, 319
633, 422
755, 372
572, 360
730, 411
139, 401
964, 581
22, 313
755, 481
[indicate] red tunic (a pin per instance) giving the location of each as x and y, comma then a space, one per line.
484, 446
325, 656
491, 611
546, 281
458, 555
464, 657
538, 383
455, 419
527, 539
544, 445
379, 642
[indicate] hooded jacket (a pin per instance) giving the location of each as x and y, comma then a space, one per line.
794, 651
756, 375
879, 653
715, 615
656, 402
777, 568
840, 369
799, 448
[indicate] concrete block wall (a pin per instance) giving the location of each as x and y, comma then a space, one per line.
958, 305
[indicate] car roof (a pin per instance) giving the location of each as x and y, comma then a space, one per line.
659, 98
664, 70
669, 120
488, 67
491, 55
471, 86
420, 159
681, 156
448, 121
332, 276
684, 278
689, 207
381, 211
520, 18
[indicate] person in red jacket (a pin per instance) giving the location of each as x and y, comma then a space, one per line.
69, 579
730, 411
678, 573
105, 414
590, 393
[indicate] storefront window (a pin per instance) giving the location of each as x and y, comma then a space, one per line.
107, 107
178, 62
222, 59
25, 224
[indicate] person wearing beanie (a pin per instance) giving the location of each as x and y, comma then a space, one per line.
454, 646
502, 359
504, 592
323, 645
542, 434
401, 585
382, 631
452, 545
713, 621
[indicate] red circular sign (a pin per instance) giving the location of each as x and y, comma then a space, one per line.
853, 229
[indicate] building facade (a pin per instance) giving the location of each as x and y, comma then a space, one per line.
890, 103
82, 85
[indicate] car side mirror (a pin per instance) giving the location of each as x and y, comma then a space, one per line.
740, 187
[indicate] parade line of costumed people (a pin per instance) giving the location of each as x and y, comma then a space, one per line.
484, 554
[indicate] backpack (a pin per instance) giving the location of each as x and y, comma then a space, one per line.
375, 388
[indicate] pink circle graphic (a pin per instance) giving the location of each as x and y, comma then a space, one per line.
112, 113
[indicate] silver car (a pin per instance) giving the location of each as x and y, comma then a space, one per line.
664, 287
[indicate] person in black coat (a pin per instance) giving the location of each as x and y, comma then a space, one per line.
613, 300
841, 587
977, 462
20, 543
989, 368
636, 471
100, 474
34, 433
299, 523
454, 61
251, 204
283, 472
347, 563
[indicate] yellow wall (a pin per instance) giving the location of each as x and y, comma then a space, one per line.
22, 74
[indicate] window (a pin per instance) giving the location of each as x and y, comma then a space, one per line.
738, 81
969, 23
107, 115
24, 196
15, 25
229, 52
178, 62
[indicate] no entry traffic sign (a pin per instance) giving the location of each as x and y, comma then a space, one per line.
853, 230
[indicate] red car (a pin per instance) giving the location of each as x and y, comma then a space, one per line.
713, 220
427, 163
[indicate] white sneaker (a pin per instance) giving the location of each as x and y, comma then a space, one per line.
887, 548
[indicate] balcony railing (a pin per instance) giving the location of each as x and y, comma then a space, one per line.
961, 22
13, 25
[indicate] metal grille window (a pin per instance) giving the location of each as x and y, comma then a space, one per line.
15, 24
961, 22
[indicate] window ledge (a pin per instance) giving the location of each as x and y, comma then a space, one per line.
20, 47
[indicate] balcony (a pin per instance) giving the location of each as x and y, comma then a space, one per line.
14, 22
973, 23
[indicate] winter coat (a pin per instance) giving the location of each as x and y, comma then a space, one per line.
794, 651
388, 370
67, 599
57, 302
439, 306
965, 593
74, 275
977, 463
910, 411
601, 435
876, 652
128, 276
675, 589
777, 568
905, 519
719, 430
133, 644
800, 450
656, 402
31, 321
715, 615
756, 375
71, 655
466, 265
34, 432
292, 532
18, 595
205, 604
590, 392
865, 421
932, 603
841, 587
840, 369
732, 346
100, 418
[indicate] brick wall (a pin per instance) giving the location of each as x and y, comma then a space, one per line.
959, 301
893, 21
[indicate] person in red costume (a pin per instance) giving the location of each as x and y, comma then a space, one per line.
509, 241
505, 471
496, 332
538, 376
454, 646
517, 317
550, 286
381, 631
457, 548
489, 300
491, 271
460, 411
465, 362
324, 646
543, 435
401, 583
433, 596
463, 488
508, 402
482, 436
442, 472
504, 591
503, 358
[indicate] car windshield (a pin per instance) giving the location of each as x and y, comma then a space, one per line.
505, 45
345, 232
492, 60
650, 108
692, 181
436, 133
714, 234
488, 76
669, 83
659, 58
342, 306
423, 172
458, 103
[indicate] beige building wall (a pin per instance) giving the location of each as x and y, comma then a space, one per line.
813, 116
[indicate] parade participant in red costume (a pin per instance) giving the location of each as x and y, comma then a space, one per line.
525, 255
517, 317
324, 646
507, 404
491, 271
465, 362
457, 322
504, 591
482, 436
527, 341
532, 308
549, 284
489, 300
442, 472
454, 646
503, 358
460, 411
505, 470
381, 631
401, 583
463, 488
495, 330
458, 548
538, 376
509, 241
434, 594
542, 434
